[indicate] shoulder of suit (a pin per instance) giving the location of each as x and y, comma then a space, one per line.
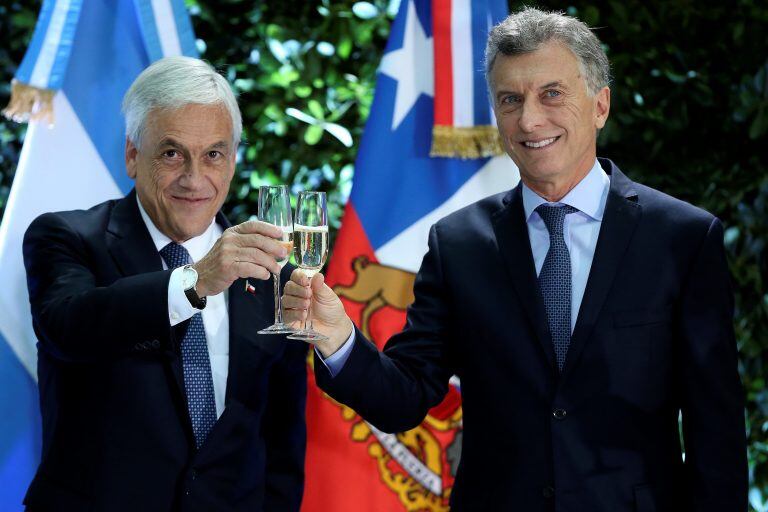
479, 211
668, 210
76, 219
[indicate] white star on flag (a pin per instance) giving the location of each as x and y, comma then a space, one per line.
412, 66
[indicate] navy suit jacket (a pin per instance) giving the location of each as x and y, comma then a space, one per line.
116, 431
653, 337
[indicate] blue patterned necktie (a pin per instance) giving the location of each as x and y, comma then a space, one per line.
555, 280
197, 364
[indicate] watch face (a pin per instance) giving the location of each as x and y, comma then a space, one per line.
188, 278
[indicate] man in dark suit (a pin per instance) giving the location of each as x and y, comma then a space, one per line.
156, 392
583, 313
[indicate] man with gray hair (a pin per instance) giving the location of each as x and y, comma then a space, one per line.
156, 392
583, 313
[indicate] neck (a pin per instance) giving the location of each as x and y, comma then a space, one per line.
554, 190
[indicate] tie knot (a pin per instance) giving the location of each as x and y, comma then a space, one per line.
175, 255
554, 217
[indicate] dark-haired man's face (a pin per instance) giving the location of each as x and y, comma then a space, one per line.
183, 168
546, 117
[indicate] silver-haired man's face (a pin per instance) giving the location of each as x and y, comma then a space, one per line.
183, 168
546, 118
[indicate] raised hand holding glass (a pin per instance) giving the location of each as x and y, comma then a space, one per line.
275, 209
311, 249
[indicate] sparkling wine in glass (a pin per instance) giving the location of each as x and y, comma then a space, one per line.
311, 247
275, 209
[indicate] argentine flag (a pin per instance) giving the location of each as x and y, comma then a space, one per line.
83, 56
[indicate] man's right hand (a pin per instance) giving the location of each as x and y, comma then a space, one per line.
250, 249
328, 315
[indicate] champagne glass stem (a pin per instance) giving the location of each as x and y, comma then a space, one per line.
308, 321
278, 300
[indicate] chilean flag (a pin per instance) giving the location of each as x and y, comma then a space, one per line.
431, 76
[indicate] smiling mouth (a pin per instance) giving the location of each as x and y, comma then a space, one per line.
191, 200
539, 144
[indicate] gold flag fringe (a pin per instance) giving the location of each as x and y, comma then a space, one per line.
29, 103
465, 142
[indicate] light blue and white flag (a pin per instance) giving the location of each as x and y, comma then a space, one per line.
83, 56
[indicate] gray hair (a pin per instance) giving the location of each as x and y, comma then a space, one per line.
527, 30
171, 83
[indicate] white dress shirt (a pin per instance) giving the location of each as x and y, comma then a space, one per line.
215, 317
580, 231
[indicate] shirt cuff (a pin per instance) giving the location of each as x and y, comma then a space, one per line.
335, 362
179, 308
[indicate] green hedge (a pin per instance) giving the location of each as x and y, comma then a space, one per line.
689, 115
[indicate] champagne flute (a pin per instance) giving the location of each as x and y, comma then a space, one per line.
275, 209
311, 249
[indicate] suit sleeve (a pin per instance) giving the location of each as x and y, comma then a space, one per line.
713, 401
76, 320
285, 432
395, 389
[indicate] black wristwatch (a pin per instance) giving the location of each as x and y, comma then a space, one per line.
189, 281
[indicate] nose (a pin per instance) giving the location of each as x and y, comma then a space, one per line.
193, 174
531, 116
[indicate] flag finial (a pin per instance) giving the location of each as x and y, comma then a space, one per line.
29, 103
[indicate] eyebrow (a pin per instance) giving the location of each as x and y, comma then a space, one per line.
220, 145
505, 92
556, 83
169, 142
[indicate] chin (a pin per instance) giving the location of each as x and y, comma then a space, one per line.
540, 173
189, 230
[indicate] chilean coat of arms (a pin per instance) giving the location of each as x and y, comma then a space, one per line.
418, 465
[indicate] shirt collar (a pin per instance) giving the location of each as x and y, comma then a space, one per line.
588, 196
197, 246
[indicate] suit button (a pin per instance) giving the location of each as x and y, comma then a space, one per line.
548, 491
193, 474
559, 414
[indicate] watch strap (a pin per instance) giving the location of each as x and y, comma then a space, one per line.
194, 299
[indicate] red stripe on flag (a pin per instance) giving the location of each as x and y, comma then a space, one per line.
441, 33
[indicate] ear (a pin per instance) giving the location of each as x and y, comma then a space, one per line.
131, 158
602, 107
234, 154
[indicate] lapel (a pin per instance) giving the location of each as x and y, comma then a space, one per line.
511, 232
128, 240
622, 213
134, 252
248, 312
246, 317
237, 305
